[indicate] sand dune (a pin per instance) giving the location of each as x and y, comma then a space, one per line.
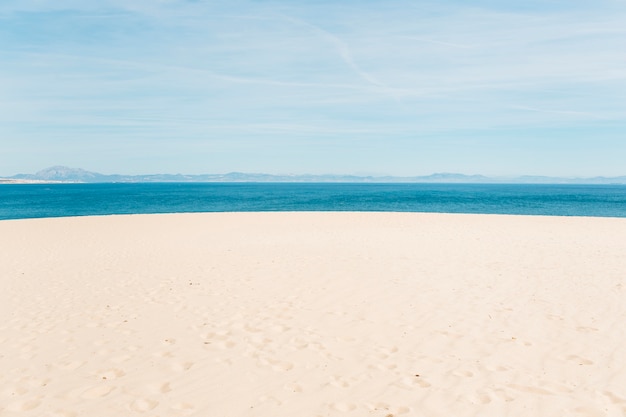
313, 314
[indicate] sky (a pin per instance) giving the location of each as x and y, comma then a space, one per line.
387, 87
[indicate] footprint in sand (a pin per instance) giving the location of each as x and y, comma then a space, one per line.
281, 365
383, 366
343, 407
104, 352
143, 405
259, 342
497, 368
251, 329
385, 352
479, 397
579, 360
298, 343
503, 395
276, 365
185, 408
158, 388
615, 399
293, 387
584, 329
64, 413
339, 382
181, 366
224, 361
34, 382
28, 349
386, 409
224, 344
120, 359
531, 390
222, 334
217, 337
97, 392
163, 354
13, 391
279, 328
26, 405
110, 373
411, 382
269, 399
590, 412
466, 374
554, 387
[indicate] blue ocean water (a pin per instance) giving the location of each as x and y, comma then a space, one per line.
18, 201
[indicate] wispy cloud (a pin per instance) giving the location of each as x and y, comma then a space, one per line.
386, 72
341, 47
577, 114
436, 42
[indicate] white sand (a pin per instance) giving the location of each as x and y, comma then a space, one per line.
313, 314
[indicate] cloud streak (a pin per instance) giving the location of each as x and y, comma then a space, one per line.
342, 49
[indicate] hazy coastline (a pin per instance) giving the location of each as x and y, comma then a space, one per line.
61, 174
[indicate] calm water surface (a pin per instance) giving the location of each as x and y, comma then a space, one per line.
18, 201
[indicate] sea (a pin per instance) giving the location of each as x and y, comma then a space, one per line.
22, 201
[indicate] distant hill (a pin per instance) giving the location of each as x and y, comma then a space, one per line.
61, 173
77, 175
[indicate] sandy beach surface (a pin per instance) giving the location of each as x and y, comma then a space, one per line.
313, 314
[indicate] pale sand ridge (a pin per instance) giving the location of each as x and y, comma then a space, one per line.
313, 314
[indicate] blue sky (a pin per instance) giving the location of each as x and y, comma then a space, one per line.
348, 87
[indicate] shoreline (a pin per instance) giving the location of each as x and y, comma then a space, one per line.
316, 212
313, 314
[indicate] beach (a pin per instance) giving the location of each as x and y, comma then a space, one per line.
313, 314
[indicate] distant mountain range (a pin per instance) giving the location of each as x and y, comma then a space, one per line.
76, 175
